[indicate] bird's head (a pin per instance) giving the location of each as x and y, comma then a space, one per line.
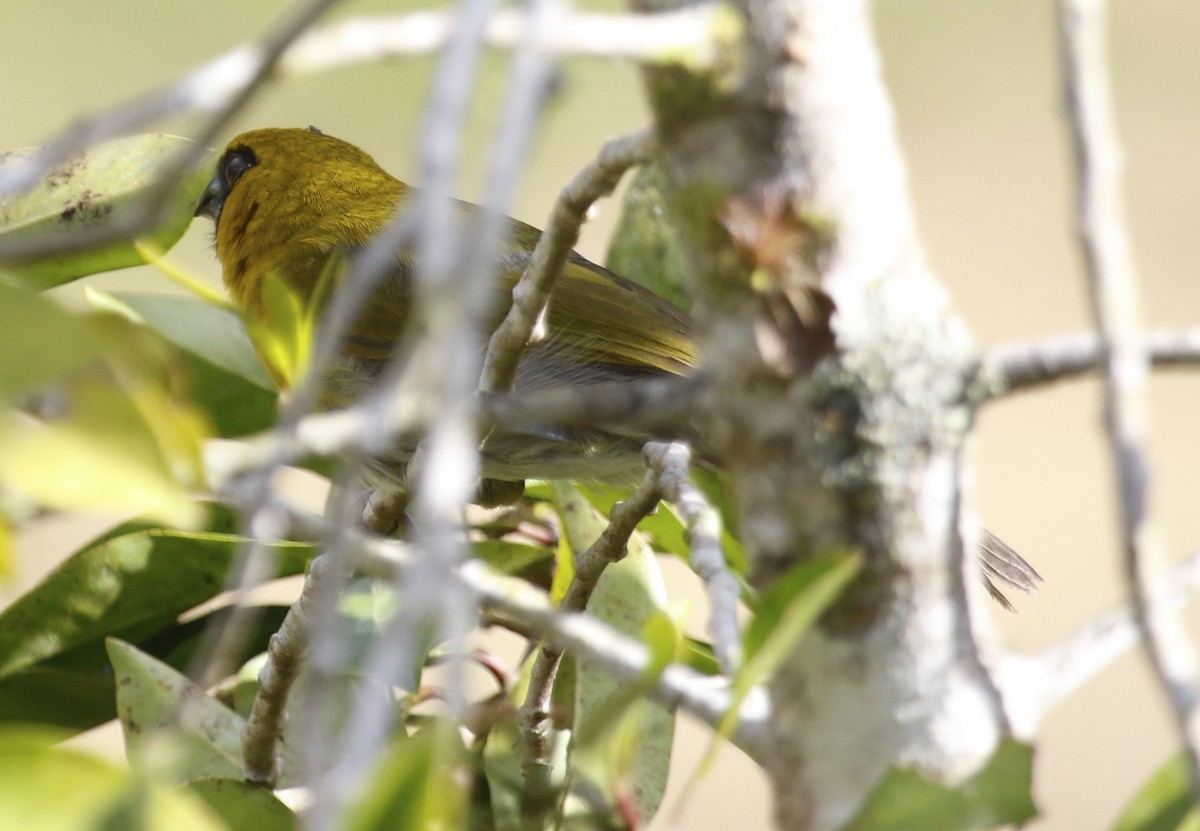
282, 200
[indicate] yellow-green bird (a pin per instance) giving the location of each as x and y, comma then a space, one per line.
285, 201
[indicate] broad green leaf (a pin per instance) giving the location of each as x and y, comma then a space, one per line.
243, 805
108, 427
1164, 803
416, 786
100, 189
50, 788
134, 576
52, 342
224, 376
998, 795
510, 557
6, 550
99, 457
70, 699
235, 406
630, 765
581, 522
74, 689
645, 247
789, 606
169, 723
214, 333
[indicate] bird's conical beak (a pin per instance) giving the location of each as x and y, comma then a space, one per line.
212, 200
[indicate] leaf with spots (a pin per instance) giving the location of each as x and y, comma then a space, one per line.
98, 192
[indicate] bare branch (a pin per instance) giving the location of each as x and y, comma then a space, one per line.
1022, 366
531, 610
450, 288
652, 407
610, 547
285, 652
670, 462
532, 292
222, 87
1113, 286
694, 37
1035, 684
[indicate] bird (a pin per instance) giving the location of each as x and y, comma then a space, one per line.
286, 202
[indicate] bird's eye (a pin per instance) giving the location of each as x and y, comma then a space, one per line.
236, 164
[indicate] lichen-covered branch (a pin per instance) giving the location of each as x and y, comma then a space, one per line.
789, 186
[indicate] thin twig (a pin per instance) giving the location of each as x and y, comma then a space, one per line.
222, 87
649, 406
1104, 237
532, 292
1017, 367
695, 37
671, 464
1036, 683
658, 406
534, 715
285, 652
450, 294
531, 610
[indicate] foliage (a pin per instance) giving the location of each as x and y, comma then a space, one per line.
112, 418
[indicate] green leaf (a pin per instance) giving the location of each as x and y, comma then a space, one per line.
699, 655
134, 576
235, 406
51, 788
108, 430
71, 699
414, 787
62, 342
100, 456
100, 189
1163, 803
6, 550
664, 527
283, 335
999, 794
223, 374
631, 764
244, 805
645, 247
74, 689
666, 531
511, 557
788, 607
581, 522
214, 333
205, 737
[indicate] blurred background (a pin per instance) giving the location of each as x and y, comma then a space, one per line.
978, 105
